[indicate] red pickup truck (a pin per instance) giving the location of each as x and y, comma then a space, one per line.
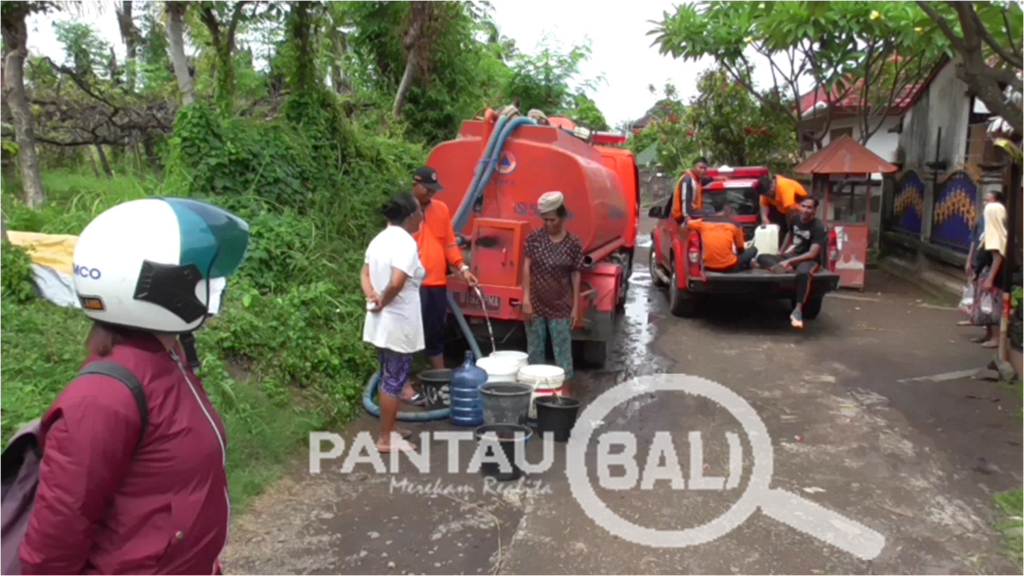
677, 261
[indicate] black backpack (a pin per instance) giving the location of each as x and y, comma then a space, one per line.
20, 466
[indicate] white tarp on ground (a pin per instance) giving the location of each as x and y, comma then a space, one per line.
52, 264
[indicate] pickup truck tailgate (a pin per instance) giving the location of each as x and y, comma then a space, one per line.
761, 282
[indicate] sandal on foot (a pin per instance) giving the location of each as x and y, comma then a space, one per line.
990, 344
416, 400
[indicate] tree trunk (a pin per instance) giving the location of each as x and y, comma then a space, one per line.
15, 36
403, 87
176, 39
147, 145
300, 36
130, 36
339, 46
92, 162
103, 161
419, 15
225, 75
7, 160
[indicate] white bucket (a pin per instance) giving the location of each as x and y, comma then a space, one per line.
499, 369
521, 358
546, 381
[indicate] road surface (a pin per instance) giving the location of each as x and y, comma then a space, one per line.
874, 411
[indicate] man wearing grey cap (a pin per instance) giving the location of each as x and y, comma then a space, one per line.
438, 250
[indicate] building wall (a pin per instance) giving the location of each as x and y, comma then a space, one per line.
944, 106
882, 142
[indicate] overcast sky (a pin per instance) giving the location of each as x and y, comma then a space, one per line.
622, 50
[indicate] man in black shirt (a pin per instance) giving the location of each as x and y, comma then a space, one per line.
801, 253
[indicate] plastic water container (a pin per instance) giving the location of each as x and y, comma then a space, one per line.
467, 407
521, 358
546, 380
766, 239
499, 369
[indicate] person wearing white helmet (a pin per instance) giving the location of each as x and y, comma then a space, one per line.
131, 484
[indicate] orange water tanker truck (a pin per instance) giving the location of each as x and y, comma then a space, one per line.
494, 172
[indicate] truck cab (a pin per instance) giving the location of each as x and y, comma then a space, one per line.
676, 258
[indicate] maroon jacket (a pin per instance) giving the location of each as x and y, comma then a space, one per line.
102, 506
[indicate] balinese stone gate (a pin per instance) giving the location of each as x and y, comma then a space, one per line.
955, 212
908, 205
932, 220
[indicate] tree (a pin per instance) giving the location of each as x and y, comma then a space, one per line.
543, 81
215, 15
986, 36
176, 40
586, 112
417, 43
15, 37
132, 39
845, 51
724, 122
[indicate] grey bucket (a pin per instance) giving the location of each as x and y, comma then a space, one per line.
506, 402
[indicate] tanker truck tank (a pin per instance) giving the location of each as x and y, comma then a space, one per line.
535, 160
601, 193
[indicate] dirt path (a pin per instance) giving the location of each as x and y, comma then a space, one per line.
872, 412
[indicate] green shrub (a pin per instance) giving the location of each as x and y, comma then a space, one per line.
16, 274
286, 355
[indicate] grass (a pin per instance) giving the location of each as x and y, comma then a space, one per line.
1010, 503
42, 346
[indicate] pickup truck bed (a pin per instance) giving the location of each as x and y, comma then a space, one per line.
761, 282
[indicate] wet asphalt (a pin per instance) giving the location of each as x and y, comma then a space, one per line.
877, 412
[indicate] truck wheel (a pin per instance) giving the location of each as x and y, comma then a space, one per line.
813, 307
595, 352
652, 266
682, 303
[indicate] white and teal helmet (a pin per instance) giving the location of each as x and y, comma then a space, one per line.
155, 264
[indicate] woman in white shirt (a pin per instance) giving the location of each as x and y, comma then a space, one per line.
391, 280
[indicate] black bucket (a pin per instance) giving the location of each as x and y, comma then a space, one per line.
557, 415
435, 387
508, 437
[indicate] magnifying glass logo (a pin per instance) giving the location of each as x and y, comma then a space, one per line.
799, 513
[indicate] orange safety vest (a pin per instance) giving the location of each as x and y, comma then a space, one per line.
698, 196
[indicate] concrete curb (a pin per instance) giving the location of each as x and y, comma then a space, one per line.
935, 283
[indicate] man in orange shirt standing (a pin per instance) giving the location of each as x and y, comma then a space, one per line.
780, 201
438, 250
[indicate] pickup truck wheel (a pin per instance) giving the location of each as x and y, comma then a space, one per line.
813, 307
652, 266
682, 303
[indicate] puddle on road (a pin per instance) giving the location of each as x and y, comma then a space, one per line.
636, 331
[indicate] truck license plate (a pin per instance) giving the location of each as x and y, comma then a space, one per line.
471, 301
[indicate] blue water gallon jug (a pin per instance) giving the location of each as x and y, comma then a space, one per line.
467, 407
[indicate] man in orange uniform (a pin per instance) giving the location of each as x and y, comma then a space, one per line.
438, 250
780, 201
689, 194
722, 240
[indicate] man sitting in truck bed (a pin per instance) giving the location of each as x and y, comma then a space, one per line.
724, 249
801, 252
